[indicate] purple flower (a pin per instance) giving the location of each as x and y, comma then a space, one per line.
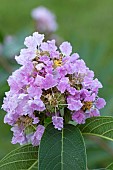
95, 85
61, 71
57, 122
100, 103
34, 91
71, 90
39, 81
79, 117
94, 112
74, 57
36, 120
36, 104
90, 97
49, 46
66, 48
63, 84
70, 68
30, 42
18, 135
38, 38
80, 67
33, 41
49, 81
36, 138
39, 67
26, 55
45, 19
74, 104
45, 59
84, 93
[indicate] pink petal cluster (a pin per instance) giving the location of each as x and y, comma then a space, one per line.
48, 82
45, 19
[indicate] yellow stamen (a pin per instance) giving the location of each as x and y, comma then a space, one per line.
57, 63
87, 105
25, 120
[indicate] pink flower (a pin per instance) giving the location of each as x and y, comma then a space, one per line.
100, 103
48, 82
63, 84
45, 19
79, 117
74, 104
36, 138
57, 122
33, 41
66, 48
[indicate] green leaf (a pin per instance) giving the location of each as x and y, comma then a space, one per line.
98, 126
24, 157
110, 167
62, 150
67, 115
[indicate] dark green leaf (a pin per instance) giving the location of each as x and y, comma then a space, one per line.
24, 157
67, 115
98, 126
62, 150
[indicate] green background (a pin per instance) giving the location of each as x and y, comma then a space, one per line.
88, 25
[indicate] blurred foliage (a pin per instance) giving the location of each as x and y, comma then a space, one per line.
88, 25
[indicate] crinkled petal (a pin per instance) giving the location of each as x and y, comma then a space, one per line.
66, 48
57, 122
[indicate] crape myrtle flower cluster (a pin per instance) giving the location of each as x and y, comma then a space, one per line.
51, 84
45, 20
